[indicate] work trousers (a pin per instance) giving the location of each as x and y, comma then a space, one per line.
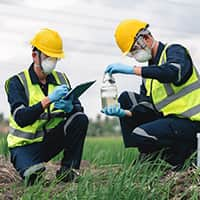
69, 136
150, 132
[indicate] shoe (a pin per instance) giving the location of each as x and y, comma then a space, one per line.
35, 177
67, 174
177, 168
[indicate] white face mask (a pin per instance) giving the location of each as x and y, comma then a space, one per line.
48, 64
142, 55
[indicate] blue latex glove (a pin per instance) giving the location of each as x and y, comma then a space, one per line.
59, 92
114, 110
119, 68
65, 105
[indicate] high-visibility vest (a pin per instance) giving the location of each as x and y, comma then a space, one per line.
19, 136
183, 100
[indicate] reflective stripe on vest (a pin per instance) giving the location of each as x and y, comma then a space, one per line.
26, 135
21, 75
179, 100
178, 95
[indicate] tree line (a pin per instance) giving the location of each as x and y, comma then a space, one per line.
106, 126
100, 126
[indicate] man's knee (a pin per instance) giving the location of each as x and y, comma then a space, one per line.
128, 99
143, 134
77, 119
83, 119
147, 142
139, 137
144, 141
123, 97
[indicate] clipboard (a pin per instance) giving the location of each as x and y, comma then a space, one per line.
79, 90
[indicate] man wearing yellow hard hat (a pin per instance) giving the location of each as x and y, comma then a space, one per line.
43, 122
166, 114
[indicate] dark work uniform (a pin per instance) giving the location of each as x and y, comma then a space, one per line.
147, 129
69, 135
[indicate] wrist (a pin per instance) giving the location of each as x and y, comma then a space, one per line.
137, 70
45, 102
128, 113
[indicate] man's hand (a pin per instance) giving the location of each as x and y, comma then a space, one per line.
119, 68
59, 92
65, 105
114, 110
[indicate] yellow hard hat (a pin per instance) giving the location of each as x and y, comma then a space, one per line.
48, 42
126, 31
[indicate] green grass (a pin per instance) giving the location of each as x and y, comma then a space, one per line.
3, 145
112, 176
106, 150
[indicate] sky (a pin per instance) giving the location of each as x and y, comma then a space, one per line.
87, 28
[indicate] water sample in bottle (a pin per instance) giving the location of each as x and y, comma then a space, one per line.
108, 91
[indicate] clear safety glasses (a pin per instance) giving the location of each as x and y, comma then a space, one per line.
137, 45
133, 50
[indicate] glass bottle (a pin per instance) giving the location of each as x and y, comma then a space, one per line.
108, 91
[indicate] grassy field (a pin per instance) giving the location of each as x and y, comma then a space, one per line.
113, 174
106, 150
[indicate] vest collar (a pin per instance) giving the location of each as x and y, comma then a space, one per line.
155, 61
35, 80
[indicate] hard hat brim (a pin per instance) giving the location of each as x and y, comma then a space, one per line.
54, 55
125, 53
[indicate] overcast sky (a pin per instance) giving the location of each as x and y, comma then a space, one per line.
87, 28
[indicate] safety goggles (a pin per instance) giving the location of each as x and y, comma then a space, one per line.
137, 45
139, 42
134, 48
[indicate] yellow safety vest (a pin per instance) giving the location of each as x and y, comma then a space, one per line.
183, 100
33, 133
